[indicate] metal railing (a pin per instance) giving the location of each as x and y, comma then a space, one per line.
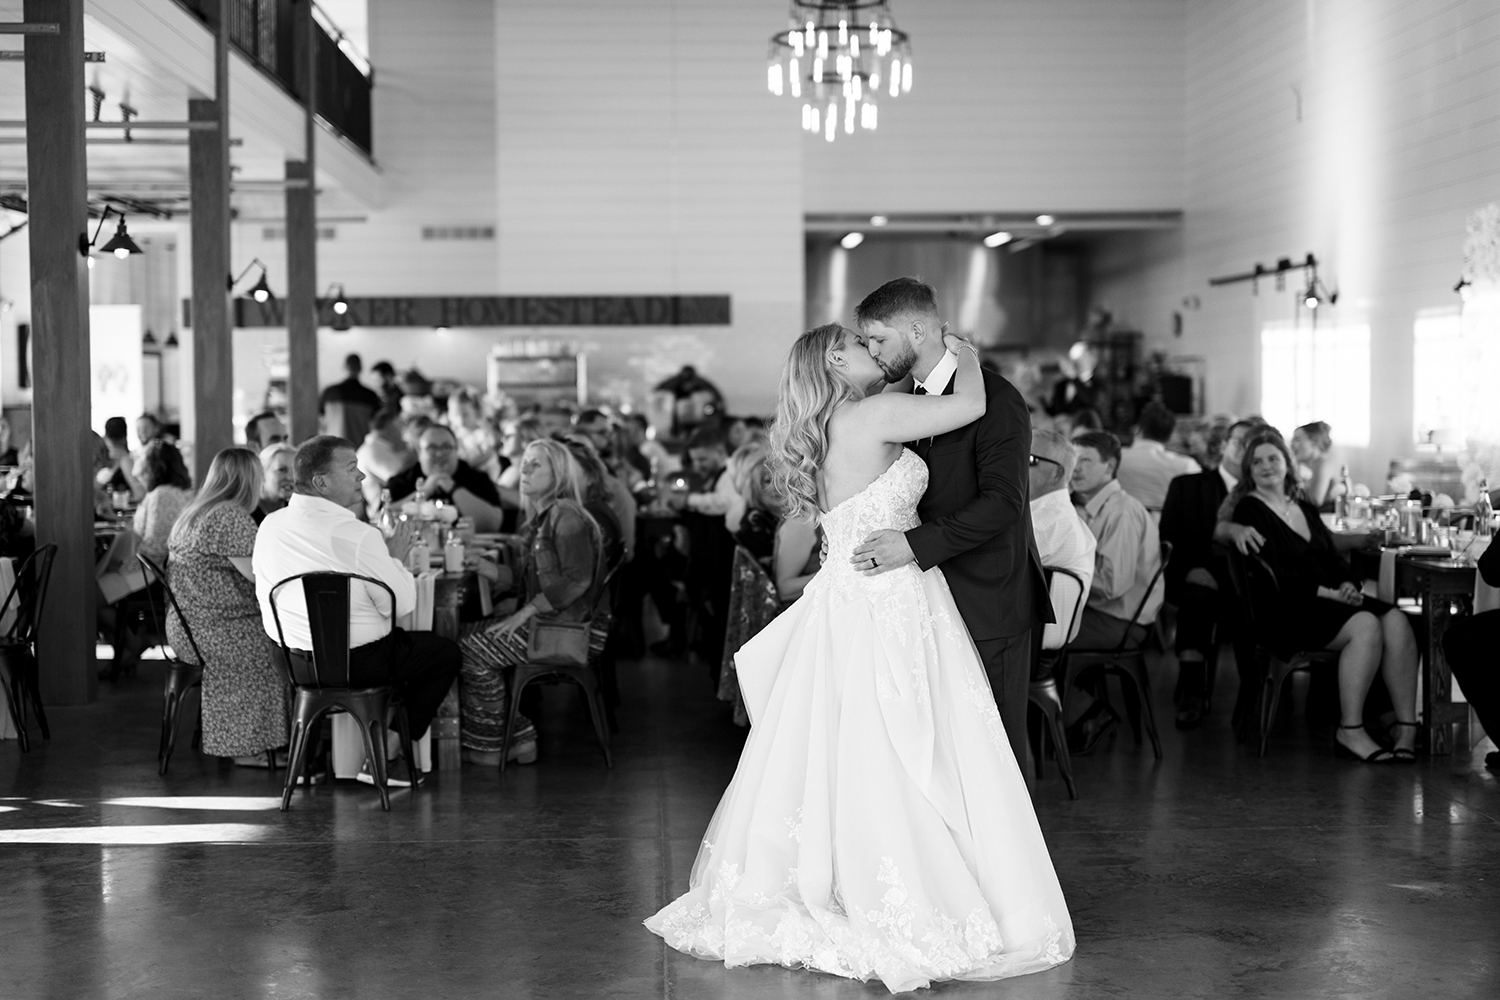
262, 31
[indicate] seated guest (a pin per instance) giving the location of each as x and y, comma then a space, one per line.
441, 475
8, 454
607, 500
713, 504
1197, 577
263, 430
317, 532
169, 489
1146, 467
384, 454
148, 429
1472, 646
478, 445
1316, 474
119, 475
1321, 605
519, 434
758, 526
560, 581
277, 462
1127, 552
1061, 538
244, 697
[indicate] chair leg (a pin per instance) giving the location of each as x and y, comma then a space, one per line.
513, 692
1135, 669
296, 750
16, 708
1060, 750
408, 746
168, 740
1132, 699
593, 696
373, 731
34, 690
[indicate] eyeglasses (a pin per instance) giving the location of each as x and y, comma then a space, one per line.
1036, 460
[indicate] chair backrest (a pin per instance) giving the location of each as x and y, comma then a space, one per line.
1078, 604
1161, 567
155, 572
29, 592
327, 598
1254, 582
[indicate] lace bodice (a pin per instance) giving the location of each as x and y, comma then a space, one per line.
888, 502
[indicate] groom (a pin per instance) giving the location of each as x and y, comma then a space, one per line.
976, 518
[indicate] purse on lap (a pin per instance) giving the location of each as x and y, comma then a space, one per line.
558, 644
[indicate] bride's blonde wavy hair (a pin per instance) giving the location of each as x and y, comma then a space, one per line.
809, 393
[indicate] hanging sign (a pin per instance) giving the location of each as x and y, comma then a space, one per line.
496, 310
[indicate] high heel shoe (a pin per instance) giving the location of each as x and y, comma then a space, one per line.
1403, 754
1379, 756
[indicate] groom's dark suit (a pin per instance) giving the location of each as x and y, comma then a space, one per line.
976, 525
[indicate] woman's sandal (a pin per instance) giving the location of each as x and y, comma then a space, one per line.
1403, 754
1379, 756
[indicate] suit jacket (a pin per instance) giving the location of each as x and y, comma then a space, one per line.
976, 517
1188, 516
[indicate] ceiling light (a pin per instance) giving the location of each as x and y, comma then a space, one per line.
1045, 220
839, 59
261, 290
997, 239
852, 240
879, 220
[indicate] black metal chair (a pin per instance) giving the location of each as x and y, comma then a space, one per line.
320, 680
1044, 695
586, 677
18, 659
1256, 583
1127, 661
183, 677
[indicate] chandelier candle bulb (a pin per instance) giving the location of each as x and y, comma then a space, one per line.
817, 71
843, 32
854, 46
808, 36
813, 124
857, 88
823, 44
796, 75
830, 122
905, 77
895, 77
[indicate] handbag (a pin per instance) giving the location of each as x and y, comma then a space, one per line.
558, 644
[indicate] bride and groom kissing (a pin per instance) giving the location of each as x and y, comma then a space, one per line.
878, 824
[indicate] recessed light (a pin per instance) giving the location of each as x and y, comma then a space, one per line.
852, 240
997, 239
1045, 220
878, 220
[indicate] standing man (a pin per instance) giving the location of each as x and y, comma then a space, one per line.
346, 407
976, 518
1147, 467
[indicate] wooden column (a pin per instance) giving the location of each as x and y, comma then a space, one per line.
56, 170
302, 244
213, 354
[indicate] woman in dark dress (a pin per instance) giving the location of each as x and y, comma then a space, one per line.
1321, 605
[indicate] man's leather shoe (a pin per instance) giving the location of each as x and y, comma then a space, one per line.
1085, 734
1191, 714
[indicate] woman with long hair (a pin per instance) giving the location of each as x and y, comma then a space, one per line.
169, 489
244, 709
1320, 604
878, 825
560, 580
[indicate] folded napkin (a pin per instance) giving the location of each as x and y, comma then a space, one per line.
1385, 588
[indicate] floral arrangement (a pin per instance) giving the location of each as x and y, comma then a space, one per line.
1481, 461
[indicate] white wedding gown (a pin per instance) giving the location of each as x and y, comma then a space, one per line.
877, 824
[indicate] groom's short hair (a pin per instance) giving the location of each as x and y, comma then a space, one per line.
897, 297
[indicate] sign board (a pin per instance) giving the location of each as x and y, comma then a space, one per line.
495, 310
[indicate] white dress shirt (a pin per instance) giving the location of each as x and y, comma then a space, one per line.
1063, 540
1146, 469
310, 535
1126, 556
936, 382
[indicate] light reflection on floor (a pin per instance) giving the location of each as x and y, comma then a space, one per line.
175, 833
214, 803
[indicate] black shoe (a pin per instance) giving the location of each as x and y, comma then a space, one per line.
1380, 755
1085, 734
1191, 714
1492, 760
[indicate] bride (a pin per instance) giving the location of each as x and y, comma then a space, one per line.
877, 824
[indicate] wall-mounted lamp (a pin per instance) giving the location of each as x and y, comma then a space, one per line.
121, 245
997, 239
852, 240
340, 306
261, 290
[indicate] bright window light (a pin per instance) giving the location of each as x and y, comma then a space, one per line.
1455, 365
1321, 373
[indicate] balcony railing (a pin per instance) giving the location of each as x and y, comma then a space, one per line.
262, 31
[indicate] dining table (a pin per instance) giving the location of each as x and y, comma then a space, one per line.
1444, 589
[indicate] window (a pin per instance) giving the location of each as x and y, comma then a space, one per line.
1455, 367
1321, 373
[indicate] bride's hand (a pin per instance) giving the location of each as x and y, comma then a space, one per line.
954, 343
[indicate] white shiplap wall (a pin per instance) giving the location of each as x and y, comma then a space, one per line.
1019, 105
1398, 141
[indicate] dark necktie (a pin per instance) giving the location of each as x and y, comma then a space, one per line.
919, 391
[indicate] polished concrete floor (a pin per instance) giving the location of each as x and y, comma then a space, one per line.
1209, 874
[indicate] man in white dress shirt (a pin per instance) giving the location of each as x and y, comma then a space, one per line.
1061, 537
1147, 467
317, 532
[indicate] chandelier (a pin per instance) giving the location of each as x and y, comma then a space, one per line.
838, 57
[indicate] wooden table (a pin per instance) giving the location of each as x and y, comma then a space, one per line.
1445, 590
449, 593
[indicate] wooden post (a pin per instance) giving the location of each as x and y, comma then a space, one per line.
213, 329
302, 243
56, 169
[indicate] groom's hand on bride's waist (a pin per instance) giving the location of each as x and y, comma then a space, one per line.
881, 552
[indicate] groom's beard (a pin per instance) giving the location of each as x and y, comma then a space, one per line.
900, 366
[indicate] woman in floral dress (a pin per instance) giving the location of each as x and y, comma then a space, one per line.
244, 699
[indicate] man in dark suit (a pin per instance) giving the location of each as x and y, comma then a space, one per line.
976, 513
1198, 575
